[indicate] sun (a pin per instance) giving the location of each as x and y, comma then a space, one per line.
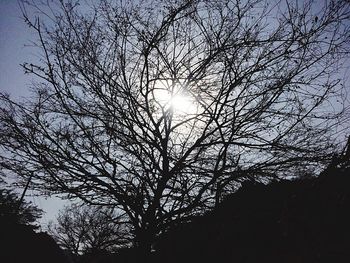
181, 103
177, 101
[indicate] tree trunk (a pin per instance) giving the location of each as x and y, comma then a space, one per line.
144, 241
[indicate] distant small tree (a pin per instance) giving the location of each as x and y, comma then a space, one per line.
15, 211
86, 229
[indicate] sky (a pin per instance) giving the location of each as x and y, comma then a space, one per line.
14, 36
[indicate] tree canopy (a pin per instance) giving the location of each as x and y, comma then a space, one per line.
160, 107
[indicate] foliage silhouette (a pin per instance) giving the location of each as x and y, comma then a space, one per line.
15, 211
256, 80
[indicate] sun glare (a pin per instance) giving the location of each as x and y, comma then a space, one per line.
180, 103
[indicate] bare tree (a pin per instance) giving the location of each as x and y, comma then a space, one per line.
86, 229
158, 107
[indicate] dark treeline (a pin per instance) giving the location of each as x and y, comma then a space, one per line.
303, 220
306, 220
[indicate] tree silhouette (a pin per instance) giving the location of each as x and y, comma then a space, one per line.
15, 211
19, 239
160, 107
85, 229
